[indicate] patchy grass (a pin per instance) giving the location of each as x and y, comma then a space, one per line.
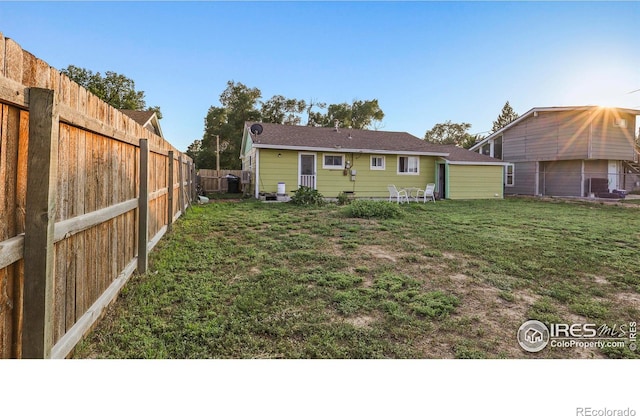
447, 280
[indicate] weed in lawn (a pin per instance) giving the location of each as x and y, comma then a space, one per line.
432, 253
507, 296
544, 311
591, 308
337, 280
433, 304
373, 209
464, 351
352, 301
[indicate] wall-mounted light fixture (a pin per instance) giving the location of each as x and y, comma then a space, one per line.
279, 154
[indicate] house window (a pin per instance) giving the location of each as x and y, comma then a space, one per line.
497, 148
333, 161
409, 165
620, 122
509, 175
377, 163
486, 149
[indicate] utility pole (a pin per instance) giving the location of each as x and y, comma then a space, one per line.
218, 161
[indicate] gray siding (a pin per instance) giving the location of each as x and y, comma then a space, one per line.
610, 141
562, 178
524, 180
570, 135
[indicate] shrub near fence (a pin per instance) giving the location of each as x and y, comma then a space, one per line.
86, 193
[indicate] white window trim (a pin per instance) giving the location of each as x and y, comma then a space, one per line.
333, 166
384, 163
513, 174
408, 173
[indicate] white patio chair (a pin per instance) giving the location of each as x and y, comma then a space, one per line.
426, 193
399, 195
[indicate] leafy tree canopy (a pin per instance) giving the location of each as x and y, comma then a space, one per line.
115, 89
506, 116
240, 103
281, 110
452, 133
359, 114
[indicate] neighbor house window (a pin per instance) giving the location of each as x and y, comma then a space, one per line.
509, 175
497, 148
377, 162
620, 122
333, 161
408, 165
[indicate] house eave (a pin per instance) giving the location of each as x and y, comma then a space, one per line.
347, 150
450, 162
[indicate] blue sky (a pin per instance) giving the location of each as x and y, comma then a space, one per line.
426, 62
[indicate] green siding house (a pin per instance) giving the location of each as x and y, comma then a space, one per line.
363, 163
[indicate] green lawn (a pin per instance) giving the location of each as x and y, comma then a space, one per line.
444, 280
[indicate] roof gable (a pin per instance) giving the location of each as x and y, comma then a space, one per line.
536, 110
147, 119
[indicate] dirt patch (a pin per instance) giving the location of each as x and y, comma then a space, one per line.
600, 280
361, 321
629, 298
379, 252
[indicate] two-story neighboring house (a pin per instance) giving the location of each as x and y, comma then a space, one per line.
568, 151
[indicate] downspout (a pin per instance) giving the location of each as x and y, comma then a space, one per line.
582, 180
537, 179
256, 190
446, 179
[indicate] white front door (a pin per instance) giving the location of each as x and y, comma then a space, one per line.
613, 175
307, 170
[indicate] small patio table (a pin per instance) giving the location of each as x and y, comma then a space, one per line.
412, 192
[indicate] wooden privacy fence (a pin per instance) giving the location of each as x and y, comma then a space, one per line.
86, 193
212, 180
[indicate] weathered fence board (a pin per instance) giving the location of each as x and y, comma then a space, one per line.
93, 215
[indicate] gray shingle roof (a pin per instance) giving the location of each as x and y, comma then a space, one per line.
459, 154
140, 117
278, 135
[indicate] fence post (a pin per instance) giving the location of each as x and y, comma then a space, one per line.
170, 193
192, 184
143, 208
181, 187
42, 172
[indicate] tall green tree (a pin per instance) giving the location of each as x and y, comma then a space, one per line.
315, 118
450, 133
507, 115
226, 124
115, 89
281, 110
